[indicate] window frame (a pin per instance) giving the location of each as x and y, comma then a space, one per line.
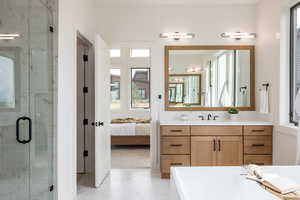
119, 89
292, 63
131, 95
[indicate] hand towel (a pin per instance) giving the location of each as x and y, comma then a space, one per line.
264, 101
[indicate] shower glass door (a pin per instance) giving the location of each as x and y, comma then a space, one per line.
26, 101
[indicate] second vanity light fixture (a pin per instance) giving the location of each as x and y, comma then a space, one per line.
9, 36
177, 35
239, 35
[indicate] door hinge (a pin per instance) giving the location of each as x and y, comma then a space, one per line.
85, 58
51, 188
85, 153
85, 89
51, 29
85, 121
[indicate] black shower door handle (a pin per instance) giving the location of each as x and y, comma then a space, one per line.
29, 130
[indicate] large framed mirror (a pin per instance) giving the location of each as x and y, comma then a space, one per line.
209, 78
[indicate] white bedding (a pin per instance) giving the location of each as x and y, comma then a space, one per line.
130, 129
122, 129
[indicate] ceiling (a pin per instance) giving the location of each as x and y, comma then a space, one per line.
176, 2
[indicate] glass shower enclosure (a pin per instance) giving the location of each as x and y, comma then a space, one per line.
26, 100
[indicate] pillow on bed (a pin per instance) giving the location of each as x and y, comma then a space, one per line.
130, 120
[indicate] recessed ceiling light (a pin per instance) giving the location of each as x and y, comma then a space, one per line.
177, 35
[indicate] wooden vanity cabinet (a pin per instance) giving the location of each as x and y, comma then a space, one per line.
258, 145
203, 151
214, 146
175, 148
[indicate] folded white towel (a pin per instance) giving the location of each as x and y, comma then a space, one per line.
264, 101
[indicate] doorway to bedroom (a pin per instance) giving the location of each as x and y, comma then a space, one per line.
130, 108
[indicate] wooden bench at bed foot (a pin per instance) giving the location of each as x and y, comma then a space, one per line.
130, 140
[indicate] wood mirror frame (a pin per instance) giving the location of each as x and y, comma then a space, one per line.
251, 48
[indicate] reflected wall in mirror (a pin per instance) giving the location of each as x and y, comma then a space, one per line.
209, 77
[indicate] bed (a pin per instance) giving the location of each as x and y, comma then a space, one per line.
130, 132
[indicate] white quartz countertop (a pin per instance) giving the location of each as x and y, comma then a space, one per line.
213, 123
216, 183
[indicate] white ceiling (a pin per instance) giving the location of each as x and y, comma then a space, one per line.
174, 2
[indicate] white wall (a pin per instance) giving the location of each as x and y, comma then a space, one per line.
273, 67
74, 15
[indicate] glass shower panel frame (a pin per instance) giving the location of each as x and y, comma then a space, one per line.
26, 170
41, 100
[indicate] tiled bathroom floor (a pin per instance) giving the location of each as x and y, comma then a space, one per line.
130, 157
129, 184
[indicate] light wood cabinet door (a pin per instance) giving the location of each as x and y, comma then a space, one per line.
216, 130
258, 159
258, 130
230, 150
168, 161
175, 131
203, 151
258, 145
175, 145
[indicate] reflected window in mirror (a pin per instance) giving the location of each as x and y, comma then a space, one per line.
210, 78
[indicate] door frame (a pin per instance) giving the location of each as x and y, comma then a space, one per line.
91, 65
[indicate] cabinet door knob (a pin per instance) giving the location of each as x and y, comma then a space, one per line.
219, 142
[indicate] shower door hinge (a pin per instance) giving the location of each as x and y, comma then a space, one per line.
85, 153
85, 89
85, 58
51, 188
85, 121
51, 29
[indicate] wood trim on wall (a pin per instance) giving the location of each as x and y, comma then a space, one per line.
213, 47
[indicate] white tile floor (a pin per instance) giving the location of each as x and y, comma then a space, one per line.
129, 157
129, 184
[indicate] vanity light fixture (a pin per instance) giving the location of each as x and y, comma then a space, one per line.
177, 35
239, 35
194, 69
9, 36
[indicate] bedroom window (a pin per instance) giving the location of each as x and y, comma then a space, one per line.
295, 60
140, 88
115, 88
